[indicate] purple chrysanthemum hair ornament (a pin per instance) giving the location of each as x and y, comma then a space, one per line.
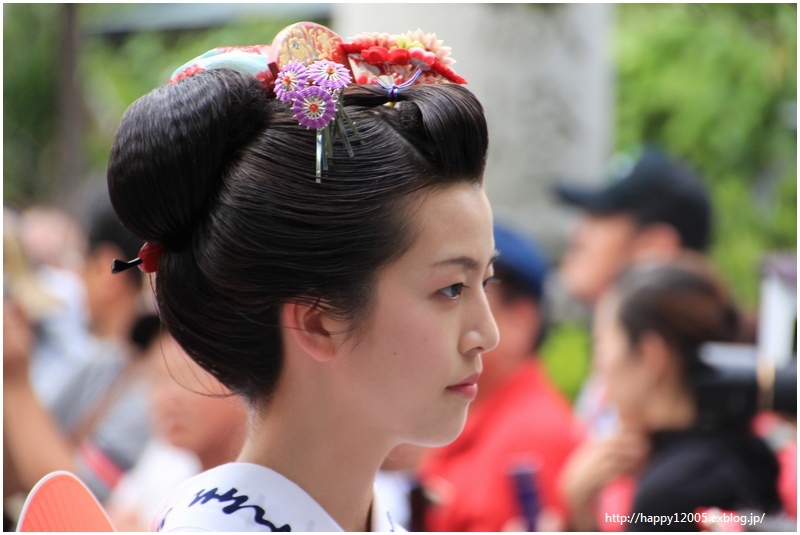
305, 68
291, 79
308, 66
318, 106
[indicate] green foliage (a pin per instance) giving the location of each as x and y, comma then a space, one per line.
116, 73
113, 72
566, 357
29, 95
711, 84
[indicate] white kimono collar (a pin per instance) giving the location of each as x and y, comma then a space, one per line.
250, 497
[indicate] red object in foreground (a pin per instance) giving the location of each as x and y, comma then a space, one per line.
61, 502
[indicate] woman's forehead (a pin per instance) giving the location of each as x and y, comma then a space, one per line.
452, 231
454, 222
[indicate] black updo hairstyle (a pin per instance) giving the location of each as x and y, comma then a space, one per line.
224, 178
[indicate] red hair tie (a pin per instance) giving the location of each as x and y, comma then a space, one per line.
148, 260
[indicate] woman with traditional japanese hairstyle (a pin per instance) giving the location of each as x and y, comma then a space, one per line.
345, 306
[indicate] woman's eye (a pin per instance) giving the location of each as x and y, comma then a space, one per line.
491, 280
453, 291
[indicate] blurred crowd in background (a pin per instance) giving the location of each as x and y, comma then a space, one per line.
94, 384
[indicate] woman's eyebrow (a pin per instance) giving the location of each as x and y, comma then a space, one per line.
469, 263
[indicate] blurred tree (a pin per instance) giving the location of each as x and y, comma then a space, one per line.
113, 70
31, 34
716, 85
119, 69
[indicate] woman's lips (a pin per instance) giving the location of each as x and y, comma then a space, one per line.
467, 388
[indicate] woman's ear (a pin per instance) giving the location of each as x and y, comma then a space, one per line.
310, 327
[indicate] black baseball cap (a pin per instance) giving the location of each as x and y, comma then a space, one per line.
658, 189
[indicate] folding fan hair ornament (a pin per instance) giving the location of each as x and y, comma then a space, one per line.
308, 65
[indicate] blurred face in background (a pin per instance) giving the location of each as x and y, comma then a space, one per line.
627, 377
191, 409
600, 247
52, 237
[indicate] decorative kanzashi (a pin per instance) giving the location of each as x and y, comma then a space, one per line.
307, 42
329, 75
392, 89
148, 260
314, 107
252, 59
291, 79
308, 66
401, 56
318, 106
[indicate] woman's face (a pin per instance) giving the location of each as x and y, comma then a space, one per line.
625, 374
419, 359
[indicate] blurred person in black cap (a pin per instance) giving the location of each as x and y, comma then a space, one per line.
519, 423
655, 211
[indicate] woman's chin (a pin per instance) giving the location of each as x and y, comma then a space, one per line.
442, 434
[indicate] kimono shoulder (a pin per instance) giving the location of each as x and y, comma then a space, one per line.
248, 497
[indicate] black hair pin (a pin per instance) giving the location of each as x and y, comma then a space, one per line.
148, 260
118, 266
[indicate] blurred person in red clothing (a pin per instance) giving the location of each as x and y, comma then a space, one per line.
518, 420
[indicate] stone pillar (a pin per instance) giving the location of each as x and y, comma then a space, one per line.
544, 76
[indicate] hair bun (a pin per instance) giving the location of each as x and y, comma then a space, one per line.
172, 148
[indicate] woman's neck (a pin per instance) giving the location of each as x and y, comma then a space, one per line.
329, 456
222, 452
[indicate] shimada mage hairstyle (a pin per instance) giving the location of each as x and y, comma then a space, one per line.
214, 172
